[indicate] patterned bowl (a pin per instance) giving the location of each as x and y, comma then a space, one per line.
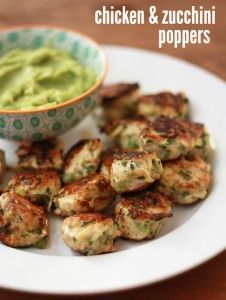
49, 122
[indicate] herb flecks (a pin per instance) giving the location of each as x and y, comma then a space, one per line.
185, 174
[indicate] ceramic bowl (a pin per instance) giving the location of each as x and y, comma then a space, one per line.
49, 122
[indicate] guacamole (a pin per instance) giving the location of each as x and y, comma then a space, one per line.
31, 79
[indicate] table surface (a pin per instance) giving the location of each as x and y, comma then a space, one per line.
209, 280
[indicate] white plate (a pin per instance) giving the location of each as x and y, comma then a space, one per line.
192, 236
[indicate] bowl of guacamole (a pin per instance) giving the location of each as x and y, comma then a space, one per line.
50, 80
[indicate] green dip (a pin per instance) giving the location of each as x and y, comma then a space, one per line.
31, 79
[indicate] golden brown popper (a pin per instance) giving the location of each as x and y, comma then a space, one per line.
39, 186
92, 193
165, 104
167, 138
142, 215
90, 234
185, 180
22, 223
82, 159
134, 171
119, 100
47, 154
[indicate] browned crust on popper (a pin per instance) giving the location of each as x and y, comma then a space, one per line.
138, 205
110, 92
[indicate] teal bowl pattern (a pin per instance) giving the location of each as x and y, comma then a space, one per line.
45, 123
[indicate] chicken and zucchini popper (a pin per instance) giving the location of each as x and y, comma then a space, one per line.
165, 104
125, 132
90, 233
46, 154
22, 224
39, 186
155, 158
142, 216
82, 159
118, 100
134, 171
168, 138
185, 180
89, 194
